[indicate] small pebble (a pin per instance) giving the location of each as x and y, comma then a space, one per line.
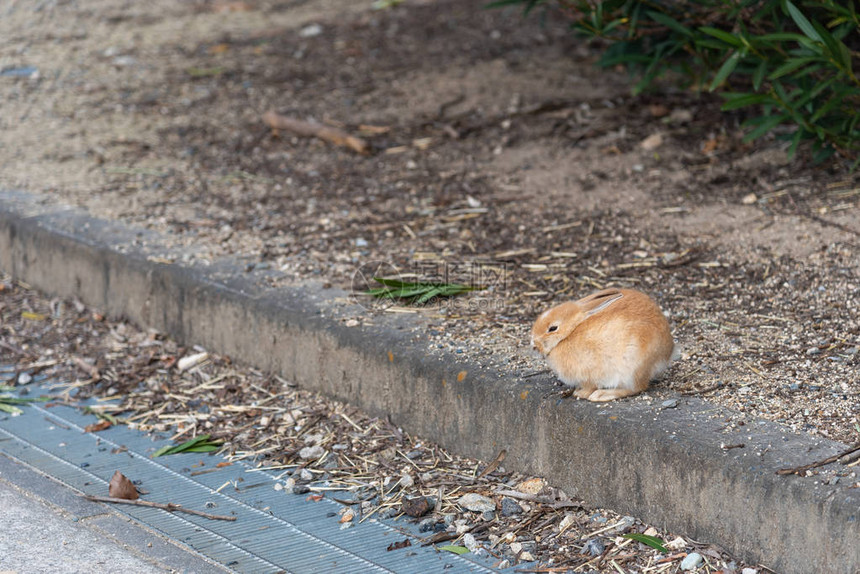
24, 378
692, 561
315, 451
749, 571
813, 351
476, 502
311, 31
670, 404
510, 507
290, 485
306, 475
594, 547
470, 543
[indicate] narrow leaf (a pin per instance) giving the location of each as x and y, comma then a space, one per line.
726, 37
455, 549
790, 66
764, 127
795, 141
651, 541
758, 75
669, 22
202, 441
727, 68
743, 100
428, 296
805, 26
391, 282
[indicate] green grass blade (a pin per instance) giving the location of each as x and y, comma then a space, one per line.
202, 441
652, 541
454, 549
428, 295
391, 282
10, 409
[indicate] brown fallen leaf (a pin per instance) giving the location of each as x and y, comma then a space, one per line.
309, 129
398, 545
99, 426
121, 487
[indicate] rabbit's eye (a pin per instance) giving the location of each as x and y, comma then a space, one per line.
552, 328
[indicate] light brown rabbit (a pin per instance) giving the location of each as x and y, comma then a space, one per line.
608, 345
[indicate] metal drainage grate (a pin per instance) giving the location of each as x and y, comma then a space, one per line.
273, 532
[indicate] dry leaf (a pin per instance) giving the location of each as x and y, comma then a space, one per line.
532, 486
398, 545
347, 516
99, 426
121, 487
416, 506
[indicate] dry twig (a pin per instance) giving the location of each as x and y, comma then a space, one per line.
310, 129
800, 470
169, 506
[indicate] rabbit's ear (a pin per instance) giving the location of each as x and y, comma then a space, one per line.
600, 301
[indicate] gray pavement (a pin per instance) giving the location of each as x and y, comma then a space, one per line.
46, 527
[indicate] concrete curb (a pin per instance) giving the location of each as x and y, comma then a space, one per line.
662, 465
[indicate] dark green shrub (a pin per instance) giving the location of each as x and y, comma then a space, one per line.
791, 62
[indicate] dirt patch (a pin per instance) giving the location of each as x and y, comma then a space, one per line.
503, 146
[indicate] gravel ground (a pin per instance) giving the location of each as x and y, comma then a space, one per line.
326, 448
